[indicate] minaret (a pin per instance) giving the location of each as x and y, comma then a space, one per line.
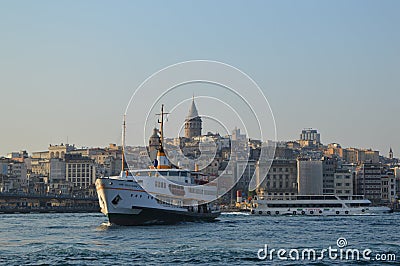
193, 122
390, 153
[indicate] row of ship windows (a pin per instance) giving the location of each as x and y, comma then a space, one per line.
160, 184
299, 205
326, 205
161, 173
280, 194
302, 212
170, 202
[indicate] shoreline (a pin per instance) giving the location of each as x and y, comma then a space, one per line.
49, 210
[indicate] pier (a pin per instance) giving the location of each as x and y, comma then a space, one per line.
46, 203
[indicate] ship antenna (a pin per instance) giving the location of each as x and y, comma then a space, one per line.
161, 122
123, 142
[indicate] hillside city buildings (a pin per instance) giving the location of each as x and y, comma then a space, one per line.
303, 166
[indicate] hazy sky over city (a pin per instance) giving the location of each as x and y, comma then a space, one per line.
68, 68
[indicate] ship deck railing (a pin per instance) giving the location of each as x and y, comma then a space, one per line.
308, 197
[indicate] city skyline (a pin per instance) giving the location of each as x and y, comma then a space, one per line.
68, 70
79, 146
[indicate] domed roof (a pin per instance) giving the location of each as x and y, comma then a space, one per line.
192, 111
155, 133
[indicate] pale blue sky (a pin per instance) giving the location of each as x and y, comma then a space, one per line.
68, 68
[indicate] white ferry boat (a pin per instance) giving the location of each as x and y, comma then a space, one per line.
322, 205
158, 195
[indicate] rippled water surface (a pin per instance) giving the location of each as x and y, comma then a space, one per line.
87, 239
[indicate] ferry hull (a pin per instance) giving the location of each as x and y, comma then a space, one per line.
148, 216
126, 203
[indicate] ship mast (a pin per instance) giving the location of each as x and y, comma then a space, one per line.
123, 142
161, 122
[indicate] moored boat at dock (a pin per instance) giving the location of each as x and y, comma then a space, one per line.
319, 205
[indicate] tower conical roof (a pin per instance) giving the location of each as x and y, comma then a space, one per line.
155, 133
192, 111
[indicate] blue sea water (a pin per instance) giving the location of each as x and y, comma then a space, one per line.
235, 239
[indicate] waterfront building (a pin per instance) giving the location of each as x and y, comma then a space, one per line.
397, 184
237, 136
281, 179
367, 155
294, 145
310, 134
358, 156
59, 151
334, 150
57, 170
388, 188
80, 170
13, 175
243, 174
310, 138
368, 181
108, 160
284, 153
309, 177
329, 166
350, 155
18, 156
343, 182
4, 166
40, 163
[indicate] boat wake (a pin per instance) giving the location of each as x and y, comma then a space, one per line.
104, 226
235, 213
